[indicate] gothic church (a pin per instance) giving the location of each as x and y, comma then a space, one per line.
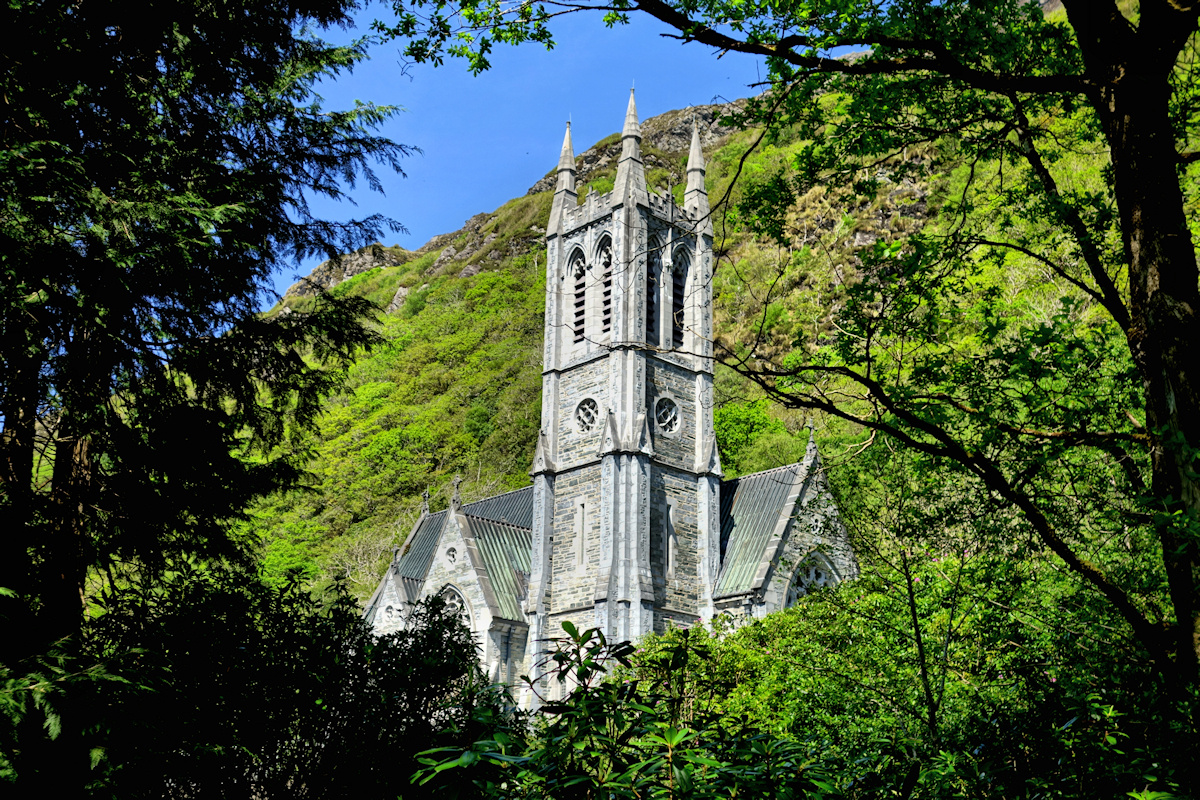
628, 525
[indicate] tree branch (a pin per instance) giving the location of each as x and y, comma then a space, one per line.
939, 59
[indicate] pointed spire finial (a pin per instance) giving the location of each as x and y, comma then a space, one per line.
425, 501
696, 154
566, 164
631, 175
456, 500
632, 127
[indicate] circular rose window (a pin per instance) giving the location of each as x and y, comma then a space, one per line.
666, 413
586, 414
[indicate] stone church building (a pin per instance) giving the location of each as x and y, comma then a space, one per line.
629, 525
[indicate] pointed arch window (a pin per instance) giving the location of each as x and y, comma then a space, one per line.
578, 273
680, 263
605, 254
653, 293
814, 573
456, 604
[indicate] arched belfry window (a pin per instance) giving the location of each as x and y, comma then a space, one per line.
680, 262
577, 274
815, 572
605, 259
653, 289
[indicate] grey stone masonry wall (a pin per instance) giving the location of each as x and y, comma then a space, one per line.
505, 652
592, 381
677, 449
390, 610
815, 535
676, 590
572, 587
452, 566
561, 348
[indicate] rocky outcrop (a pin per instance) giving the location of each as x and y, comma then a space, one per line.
397, 300
669, 134
329, 274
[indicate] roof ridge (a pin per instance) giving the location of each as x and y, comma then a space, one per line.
494, 496
503, 522
798, 464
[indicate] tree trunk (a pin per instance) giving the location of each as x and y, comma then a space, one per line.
1163, 334
17, 463
1132, 97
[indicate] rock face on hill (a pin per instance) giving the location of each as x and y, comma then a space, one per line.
665, 140
329, 274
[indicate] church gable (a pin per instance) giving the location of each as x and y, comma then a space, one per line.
780, 537
755, 510
405, 578
457, 569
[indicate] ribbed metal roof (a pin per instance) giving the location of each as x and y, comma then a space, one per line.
419, 547
408, 571
751, 507
515, 508
505, 550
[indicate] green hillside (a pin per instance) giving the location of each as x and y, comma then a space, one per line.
456, 388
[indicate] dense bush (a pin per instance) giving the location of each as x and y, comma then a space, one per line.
214, 685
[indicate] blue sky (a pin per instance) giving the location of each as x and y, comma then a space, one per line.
488, 138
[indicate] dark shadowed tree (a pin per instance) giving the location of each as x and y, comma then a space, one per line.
156, 164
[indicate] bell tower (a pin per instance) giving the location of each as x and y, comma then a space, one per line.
626, 475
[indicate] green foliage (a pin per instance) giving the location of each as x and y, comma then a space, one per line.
152, 182
934, 676
739, 426
453, 388
610, 737
212, 681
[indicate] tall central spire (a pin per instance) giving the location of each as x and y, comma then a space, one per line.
631, 136
631, 174
566, 165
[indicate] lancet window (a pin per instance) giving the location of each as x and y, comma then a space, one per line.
606, 286
814, 573
578, 272
679, 272
653, 280
456, 604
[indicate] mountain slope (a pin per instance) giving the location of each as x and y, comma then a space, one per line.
456, 388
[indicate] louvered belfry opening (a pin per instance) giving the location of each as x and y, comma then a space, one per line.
579, 272
606, 287
653, 275
678, 296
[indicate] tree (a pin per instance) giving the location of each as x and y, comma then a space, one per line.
1087, 418
627, 735
156, 161
233, 688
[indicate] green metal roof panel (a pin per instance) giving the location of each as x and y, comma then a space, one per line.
409, 568
515, 508
420, 546
505, 550
751, 507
